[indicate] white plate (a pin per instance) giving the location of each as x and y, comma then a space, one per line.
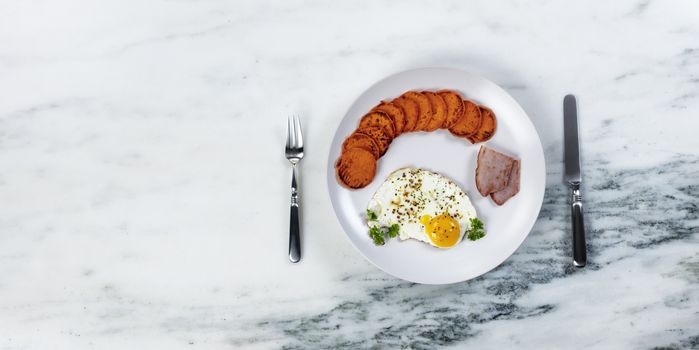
506, 226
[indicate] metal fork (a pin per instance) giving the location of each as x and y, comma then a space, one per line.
294, 153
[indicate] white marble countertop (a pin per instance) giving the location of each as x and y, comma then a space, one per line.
144, 192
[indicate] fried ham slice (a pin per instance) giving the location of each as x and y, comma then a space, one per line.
500, 197
492, 171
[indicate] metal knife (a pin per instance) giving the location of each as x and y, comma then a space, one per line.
573, 179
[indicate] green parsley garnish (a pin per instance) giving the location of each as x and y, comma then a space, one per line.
377, 235
371, 215
476, 231
393, 230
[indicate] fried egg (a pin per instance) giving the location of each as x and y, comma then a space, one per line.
426, 206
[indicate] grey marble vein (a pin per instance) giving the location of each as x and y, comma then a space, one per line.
627, 215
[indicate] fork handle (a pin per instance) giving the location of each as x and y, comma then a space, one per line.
294, 230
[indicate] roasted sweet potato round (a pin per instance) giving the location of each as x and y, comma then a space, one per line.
395, 112
355, 168
439, 111
469, 122
487, 128
379, 135
362, 141
411, 111
455, 107
380, 119
425, 107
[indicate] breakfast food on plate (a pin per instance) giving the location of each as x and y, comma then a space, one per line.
393, 111
422, 205
411, 111
455, 107
379, 119
356, 168
364, 141
500, 197
415, 111
379, 135
497, 173
469, 122
439, 111
424, 107
493, 171
487, 128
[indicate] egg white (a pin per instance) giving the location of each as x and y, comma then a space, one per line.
409, 193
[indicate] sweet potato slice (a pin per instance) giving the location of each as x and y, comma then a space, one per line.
487, 128
380, 119
411, 112
439, 111
355, 168
379, 135
469, 122
362, 141
425, 107
455, 107
395, 112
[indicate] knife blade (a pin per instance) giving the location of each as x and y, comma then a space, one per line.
573, 178
572, 147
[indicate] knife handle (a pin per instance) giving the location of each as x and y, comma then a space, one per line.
579, 248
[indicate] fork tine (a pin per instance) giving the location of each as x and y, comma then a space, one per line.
294, 135
289, 132
299, 134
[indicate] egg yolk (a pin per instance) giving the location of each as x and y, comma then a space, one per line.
443, 230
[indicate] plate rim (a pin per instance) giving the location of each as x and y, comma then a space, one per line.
329, 178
